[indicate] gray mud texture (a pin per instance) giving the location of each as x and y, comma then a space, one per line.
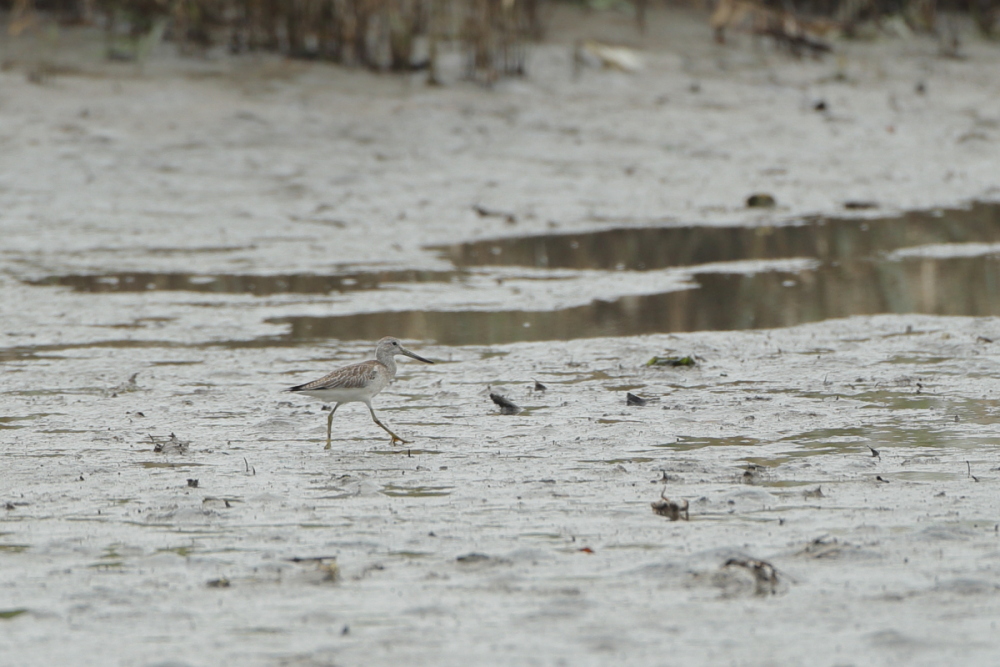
816, 494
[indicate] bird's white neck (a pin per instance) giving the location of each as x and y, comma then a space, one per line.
387, 359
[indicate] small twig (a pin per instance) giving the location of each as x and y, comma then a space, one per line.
484, 212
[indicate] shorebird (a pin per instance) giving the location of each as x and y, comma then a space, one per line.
359, 383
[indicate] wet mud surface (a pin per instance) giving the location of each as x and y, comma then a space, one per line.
171, 500
819, 487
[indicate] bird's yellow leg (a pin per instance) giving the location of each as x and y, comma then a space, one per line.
395, 438
329, 425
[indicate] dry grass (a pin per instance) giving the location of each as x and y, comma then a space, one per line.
384, 35
404, 35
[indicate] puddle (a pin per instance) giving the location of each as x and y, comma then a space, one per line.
686, 443
641, 546
967, 286
404, 452
14, 548
165, 464
910, 360
632, 459
856, 441
977, 411
109, 565
928, 436
625, 387
850, 436
55, 351
863, 267
11, 422
410, 554
919, 476
59, 352
183, 552
673, 311
543, 536
644, 249
789, 484
245, 283
397, 491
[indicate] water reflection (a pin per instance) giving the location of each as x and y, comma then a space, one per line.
957, 286
245, 283
854, 275
656, 248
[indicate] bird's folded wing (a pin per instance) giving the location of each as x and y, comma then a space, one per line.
355, 376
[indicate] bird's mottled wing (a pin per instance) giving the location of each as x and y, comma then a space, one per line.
354, 376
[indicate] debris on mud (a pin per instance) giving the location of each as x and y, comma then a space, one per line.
761, 200
507, 407
326, 567
672, 361
671, 509
605, 56
484, 212
169, 445
765, 576
471, 558
666, 477
632, 399
125, 387
852, 205
823, 547
753, 474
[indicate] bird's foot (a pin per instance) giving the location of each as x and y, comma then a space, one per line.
396, 440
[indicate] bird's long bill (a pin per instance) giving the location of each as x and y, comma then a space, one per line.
403, 350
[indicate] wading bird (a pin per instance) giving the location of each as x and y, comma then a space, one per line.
359, 383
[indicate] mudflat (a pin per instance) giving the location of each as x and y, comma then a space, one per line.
181, 242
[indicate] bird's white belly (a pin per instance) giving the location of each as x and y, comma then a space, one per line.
341, 395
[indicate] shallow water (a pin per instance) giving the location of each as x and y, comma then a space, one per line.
715, 302
830, 240
862, 267
258, 285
